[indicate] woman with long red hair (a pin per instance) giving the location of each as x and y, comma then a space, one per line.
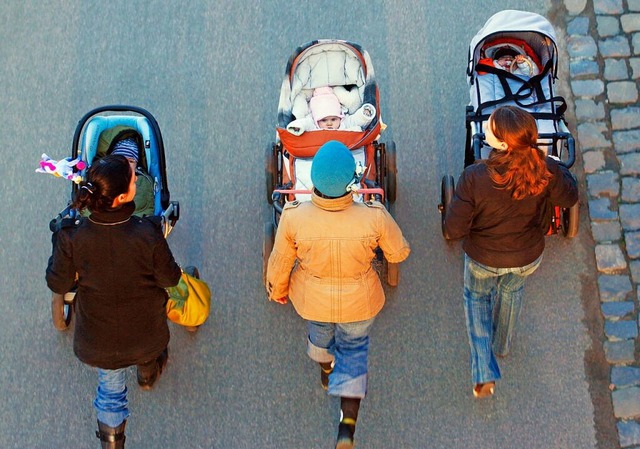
499, 210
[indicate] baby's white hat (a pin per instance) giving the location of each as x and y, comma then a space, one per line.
324, 103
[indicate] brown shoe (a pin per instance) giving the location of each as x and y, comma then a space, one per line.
484, 390
146, 383
325, 370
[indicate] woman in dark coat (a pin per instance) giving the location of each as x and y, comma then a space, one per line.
123, 265
499, 210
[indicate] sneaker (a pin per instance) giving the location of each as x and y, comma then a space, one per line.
345, 444
484, 390
324, 375
161, 362
346, 429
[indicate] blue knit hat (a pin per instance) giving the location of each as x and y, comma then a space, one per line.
332, 169
127, 148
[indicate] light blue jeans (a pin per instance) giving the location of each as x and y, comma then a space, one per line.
348, 345
111, 398
492, 304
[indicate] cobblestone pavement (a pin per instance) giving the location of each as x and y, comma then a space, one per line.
603, 44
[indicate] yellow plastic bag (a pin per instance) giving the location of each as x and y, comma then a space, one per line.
189, 302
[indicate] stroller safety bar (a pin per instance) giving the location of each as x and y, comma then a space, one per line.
375, 191
169, 217
565, 136
277, 194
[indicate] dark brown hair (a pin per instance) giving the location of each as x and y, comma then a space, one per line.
521, 168
107, 178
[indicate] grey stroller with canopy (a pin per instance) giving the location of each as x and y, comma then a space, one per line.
491, 86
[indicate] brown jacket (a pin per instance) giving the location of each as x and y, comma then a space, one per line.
123, 265
334, 242
499, 231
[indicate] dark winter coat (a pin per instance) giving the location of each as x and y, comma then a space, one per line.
499, 231
123, 265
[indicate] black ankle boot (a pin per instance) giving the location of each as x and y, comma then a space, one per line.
111, 437
345, 435
349, 408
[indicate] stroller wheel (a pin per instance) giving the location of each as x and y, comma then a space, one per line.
270, 169
267, 246
192, 271
447, 189
62, 310
570, 220
391, 172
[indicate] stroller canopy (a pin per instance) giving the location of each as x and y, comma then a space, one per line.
326, 62
533, 28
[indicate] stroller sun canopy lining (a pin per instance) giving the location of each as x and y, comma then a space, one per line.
99, 123
533, 28
327, 63
321, 63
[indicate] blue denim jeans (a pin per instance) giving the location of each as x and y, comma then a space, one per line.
111, 399
348, 345
492, 304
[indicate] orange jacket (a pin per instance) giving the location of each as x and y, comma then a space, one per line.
333, 241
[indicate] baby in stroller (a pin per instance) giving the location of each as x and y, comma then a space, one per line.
329, 93
128, 142
327, 112
511, 58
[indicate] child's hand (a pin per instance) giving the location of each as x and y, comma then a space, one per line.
522, 61
295, 130
523, 64
282, 300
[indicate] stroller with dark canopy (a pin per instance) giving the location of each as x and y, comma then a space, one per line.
533, 37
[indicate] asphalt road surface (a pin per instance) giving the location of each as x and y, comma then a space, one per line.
210, 73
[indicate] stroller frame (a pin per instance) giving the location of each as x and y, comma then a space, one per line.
85, 139
537, 33
380, 180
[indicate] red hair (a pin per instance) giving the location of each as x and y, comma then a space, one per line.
521, 168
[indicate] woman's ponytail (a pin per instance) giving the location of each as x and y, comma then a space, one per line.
107, 178
522, 168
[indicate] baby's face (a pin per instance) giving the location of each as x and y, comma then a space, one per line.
329, 123
505, 61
